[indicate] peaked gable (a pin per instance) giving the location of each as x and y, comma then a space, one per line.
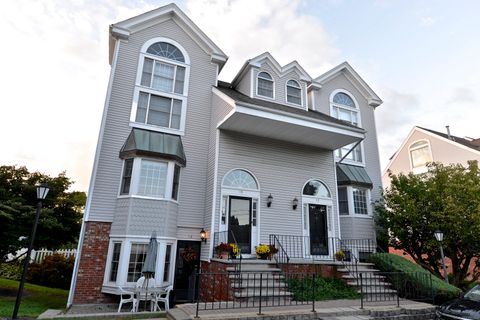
357, 81
122, 30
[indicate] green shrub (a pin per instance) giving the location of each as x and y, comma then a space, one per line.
55, 272
11, 270
325, 289
392, 263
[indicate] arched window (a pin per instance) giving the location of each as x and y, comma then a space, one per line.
265, 85
344, 107
420, 153
294, 92
241, 179
160, 95
316, 188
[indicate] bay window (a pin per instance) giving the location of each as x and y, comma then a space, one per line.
138, 252
353, 200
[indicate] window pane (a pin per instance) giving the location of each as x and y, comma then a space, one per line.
147, 72
342, 201
345, 115
265, 88
142, 107
179, 80
316, 188
240, 179
166, 270
163, 77
176, 114
153, 179
138, 253
342, 98
166, 50
360, 201
127, 176
176, 179
159, 113
421, 156
115, 261
294, 95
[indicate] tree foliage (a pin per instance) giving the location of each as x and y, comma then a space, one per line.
60, 219
445, 198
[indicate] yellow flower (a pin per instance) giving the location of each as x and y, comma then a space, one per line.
262, 249
235, 251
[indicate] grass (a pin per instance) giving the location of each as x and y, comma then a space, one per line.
35, 299
321, 289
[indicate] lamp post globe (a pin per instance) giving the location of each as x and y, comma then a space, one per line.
439, 237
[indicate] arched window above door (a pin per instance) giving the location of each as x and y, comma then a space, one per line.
316, 188
240, 179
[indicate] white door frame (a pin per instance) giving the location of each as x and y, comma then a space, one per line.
306, 200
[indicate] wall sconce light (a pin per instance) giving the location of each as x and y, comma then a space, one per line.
294, 203
269, 200
203, 235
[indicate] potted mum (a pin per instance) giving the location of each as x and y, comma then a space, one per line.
234, 251
339, 255
223, 250
263, 251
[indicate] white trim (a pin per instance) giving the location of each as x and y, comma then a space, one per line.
256, 85
96, 160
301, 93
214, 196
243, 169
157, 128
148, 43
339, 228
224, 97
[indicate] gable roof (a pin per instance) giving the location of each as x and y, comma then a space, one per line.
123, 29
255, 62
473, 144
239, 97
345, 68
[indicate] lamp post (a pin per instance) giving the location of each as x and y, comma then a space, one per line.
439, 236
42, 190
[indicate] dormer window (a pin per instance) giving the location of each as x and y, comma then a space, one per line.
344, 107
265, 85
294, 92
160, 94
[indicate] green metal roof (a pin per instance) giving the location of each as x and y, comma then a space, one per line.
156, 144
353, 175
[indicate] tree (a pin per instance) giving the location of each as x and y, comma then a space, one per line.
61, 217
445, 198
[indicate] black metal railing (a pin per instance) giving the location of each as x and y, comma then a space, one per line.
393, 286
254, 290
281, 257
302, 247
229, 237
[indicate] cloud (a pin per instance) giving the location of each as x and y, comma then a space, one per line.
427, 21
462, 95
245, 29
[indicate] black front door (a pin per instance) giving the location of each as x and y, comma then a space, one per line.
188, 259
317, 215
239, 225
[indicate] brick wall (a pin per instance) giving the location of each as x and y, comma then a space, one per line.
92, 265
214, 282
323, 270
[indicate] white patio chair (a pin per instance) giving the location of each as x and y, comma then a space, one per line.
126, 297
164, 297
141, 289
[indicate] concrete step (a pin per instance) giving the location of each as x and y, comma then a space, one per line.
255, 293
256, 277
255, 268
256, 284
354, 283
359, 270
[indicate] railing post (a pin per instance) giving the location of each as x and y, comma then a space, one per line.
313, 292
398, 294
361, 291
260, 302
197, 285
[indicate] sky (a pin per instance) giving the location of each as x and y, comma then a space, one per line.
420, 57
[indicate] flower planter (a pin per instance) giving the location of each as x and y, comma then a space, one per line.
223, 255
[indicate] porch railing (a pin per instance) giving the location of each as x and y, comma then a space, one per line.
301, 247
281, 257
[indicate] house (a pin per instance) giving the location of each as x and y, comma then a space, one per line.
423, 145
274, 152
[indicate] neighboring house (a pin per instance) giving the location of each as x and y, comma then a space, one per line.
422, 146
180, 152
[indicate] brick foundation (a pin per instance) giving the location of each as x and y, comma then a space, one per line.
323, 270
92, 265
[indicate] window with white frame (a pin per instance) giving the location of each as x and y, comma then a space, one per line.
360, 202
353, 200
342, 201
265, 85
420, 153
294, 92
166, 267
160, 98
117, 246
343, 107
150, 178
138, 252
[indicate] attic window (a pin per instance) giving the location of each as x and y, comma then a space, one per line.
420, 154
166, 50
294, 92
344, 99
265, 85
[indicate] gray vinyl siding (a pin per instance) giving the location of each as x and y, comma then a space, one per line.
442, 151
280, 85
352, 226
195, 141
282, 169
220, 109
245, 85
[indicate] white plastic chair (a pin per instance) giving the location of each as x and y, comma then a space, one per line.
140, 286
126, 297
164, 297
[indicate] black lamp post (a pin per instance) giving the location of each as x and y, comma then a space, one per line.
439, 236
42, 190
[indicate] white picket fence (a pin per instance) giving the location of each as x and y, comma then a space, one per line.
38, 256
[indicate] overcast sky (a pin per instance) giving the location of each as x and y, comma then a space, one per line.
420, 57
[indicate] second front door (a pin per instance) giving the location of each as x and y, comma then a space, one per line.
239, 223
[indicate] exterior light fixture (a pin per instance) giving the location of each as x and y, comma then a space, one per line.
203, 235
42, 191
294, 203
439, 237
269, 200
